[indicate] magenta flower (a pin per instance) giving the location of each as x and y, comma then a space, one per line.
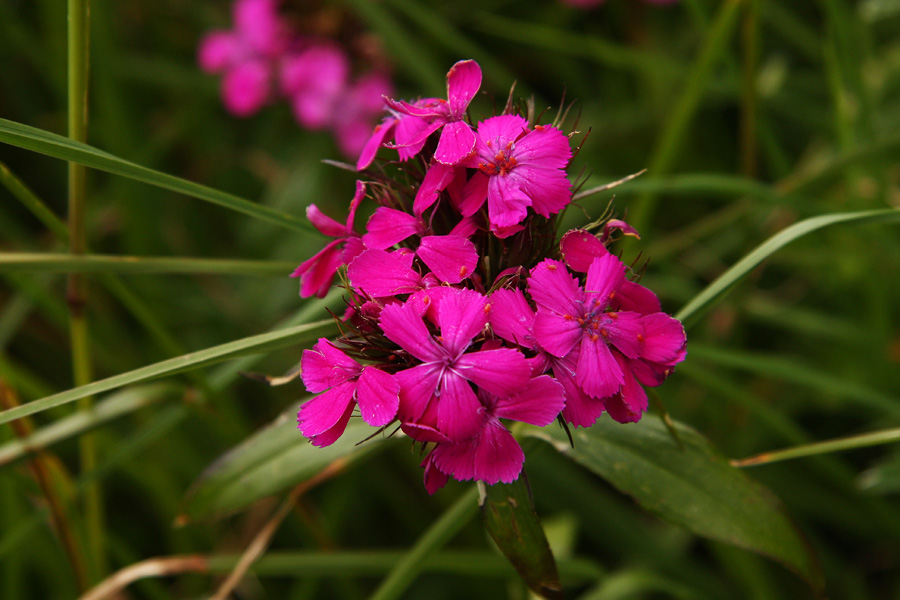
413, 122
513, 320
518, 168
245, 55
315, 79
492, 454
317, 273
342, 383
437, 394
578, 322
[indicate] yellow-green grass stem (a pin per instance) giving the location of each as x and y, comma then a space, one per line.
76, 291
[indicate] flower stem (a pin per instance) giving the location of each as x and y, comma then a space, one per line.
76, 293
875, 438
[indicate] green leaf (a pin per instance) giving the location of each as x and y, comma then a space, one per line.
691, 485
96, 263
730, 277
250, 345
272, 460
117, 405
63, 148
512, 522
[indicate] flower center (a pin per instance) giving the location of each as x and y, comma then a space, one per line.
503, 162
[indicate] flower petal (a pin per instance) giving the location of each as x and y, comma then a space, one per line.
604, 277
326, 438
629, 405
380, 274
437, 178
388, 226
557, 334
538, 404
417, 387
581, 410
434, 478
500, 372
463, 82
452, 258
457, 142
512, 318
664, 339
403, 324
553, 288
597, 372
378, 396
462, 314
324, 223
579, 248
325, 410
459, 412
376, 141
324, 366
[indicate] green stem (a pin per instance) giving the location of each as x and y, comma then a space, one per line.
437, 535
865, 440
76, 293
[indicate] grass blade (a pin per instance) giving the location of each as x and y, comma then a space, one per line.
44, 142
733, 275
250, 345
97, 263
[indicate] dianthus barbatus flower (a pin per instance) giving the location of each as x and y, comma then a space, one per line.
412, 122
245, 55
317, 273
577, 322
342, 383
436, 398
491, 454
518, 168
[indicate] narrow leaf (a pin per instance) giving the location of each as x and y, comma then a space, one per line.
272, 460
690, 485
63, 148
96, 263
250, 345
512, 522
773, 244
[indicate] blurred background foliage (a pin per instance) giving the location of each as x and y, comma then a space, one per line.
750, 116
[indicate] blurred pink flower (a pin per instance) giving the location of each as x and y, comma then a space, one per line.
246, 55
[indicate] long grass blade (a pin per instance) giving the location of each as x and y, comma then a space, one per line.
250, 345
44, 142
740, 269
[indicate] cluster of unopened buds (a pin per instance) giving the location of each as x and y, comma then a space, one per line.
464, 309
262, 59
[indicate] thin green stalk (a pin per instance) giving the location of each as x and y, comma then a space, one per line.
887, 436
431, 541
76, 293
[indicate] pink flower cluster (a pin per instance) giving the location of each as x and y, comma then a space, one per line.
464, 310
262, 59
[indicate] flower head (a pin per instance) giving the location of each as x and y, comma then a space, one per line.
478, 317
